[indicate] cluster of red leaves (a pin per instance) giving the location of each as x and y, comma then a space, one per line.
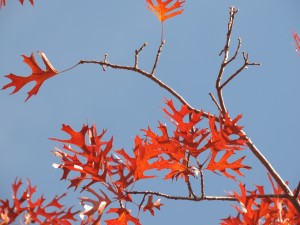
36, 211
254, 210
38, 75
3, 2
95, 161
164, 10
297, 41
117, 171
189, 140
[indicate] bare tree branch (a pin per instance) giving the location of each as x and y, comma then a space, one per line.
209, 198
225, 51
244, 66
204, 198
219, 89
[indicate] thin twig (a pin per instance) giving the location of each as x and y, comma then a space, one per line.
225, 51
157, 57
140, 205
236, 51
72, 67
189, 186
215, 101
136, 58
244, 66
190, 189
162, 31
202, 183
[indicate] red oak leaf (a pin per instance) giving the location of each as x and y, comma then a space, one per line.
77, 138
163, 10
170, 154
150, 205
186, 133
222, 165
38, 75
124, 217
138, 164
98, 206
229, 136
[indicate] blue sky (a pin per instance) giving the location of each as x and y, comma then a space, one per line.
123, 102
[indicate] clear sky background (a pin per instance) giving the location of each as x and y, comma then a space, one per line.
124, 102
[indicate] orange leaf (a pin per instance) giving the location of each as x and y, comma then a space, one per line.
123, 219
38, 75
138, 164
222, 165
162, 9
229, 137
187, 133
150, 205
170, 154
